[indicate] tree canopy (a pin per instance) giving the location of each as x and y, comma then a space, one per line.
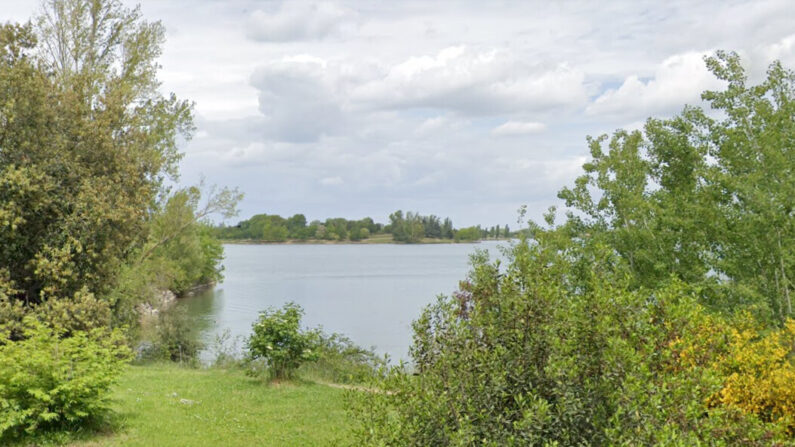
86, 141
706, 197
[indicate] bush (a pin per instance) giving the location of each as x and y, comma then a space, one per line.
341, 361
544, 353
47, 381
83, 312
280, 342
173, 338
759, 373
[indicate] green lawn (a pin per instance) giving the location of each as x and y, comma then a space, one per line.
165, 405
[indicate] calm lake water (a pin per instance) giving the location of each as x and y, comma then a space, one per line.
371, 293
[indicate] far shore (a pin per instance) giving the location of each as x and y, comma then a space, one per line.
375, 240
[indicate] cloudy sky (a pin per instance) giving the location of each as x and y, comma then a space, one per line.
465, 109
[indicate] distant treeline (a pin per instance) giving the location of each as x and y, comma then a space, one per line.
407, 227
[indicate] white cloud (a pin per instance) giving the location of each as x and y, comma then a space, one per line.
512, 128
476, 82
296, 21
296, 96
783, 50
331, 181
678, 80
441, 123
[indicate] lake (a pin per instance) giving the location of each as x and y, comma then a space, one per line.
370, 293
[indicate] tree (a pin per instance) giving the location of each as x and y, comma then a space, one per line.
468, 234
273, 231
296, 225
85, 145
707, 200
432, 226
447, 228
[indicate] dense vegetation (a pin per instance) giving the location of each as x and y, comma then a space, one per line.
406, 228
657, 313
274, 228
89, 230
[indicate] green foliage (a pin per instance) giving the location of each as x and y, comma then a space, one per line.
49, 381
180, 254
707, 200
274, 233
87, 142
468, 234
541, 354
406, 228
279, 340
175, 338
182, 244
82, 313
340, 360
274, 228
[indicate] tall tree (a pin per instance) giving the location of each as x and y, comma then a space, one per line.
707, 200
86, 141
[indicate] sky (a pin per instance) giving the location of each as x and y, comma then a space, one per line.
466, 109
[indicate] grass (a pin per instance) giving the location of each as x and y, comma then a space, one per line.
166, 405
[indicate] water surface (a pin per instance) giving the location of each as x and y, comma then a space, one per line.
371, 293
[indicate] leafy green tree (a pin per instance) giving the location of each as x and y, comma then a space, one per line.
295, 226
408, 228
432, 226
371, 226
358, 233
86, 141
274, 232
336, 229
704, 199
468, 234
447, 228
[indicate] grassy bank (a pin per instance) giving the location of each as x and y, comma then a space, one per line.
173, 406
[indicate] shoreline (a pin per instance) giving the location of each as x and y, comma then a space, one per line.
362, 242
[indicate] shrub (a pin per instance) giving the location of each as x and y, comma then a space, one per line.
543, 353
83, 312
47, 381
173, 338
759, 373
280, 342
340, 360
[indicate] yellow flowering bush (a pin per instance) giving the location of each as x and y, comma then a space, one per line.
760, 374
756, 367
